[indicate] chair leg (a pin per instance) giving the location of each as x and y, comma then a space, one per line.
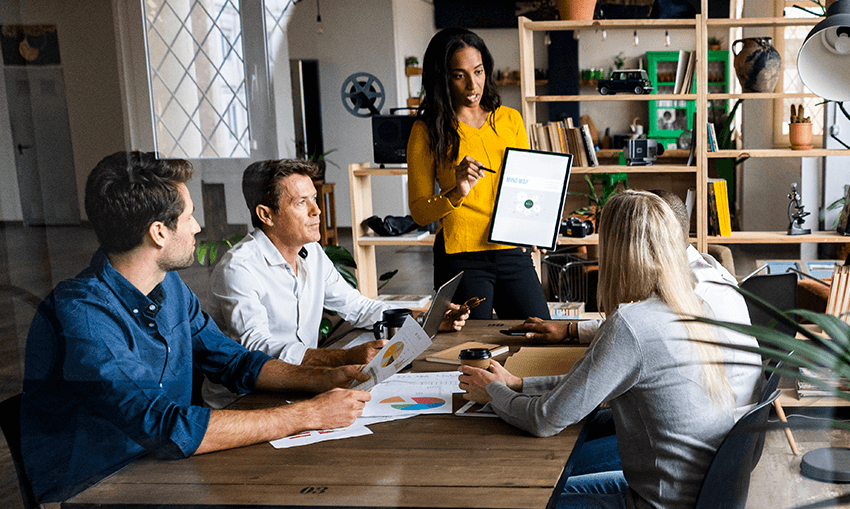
781, 413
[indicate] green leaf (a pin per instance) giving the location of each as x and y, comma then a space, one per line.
201, 252
340, 256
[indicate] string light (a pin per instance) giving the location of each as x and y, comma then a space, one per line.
637, 40
604, 34
666, 38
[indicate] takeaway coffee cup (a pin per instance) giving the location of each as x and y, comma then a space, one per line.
475, 357
391, 321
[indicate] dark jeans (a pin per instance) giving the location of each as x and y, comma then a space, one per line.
505, 278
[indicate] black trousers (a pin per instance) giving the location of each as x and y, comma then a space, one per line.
505, 278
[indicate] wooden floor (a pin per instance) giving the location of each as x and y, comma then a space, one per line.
34, 259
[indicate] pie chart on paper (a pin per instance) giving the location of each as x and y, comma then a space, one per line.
392, 353
416, 405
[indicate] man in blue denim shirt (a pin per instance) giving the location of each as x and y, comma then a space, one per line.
110, 353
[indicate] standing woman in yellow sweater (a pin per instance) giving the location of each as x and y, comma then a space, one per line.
461, 131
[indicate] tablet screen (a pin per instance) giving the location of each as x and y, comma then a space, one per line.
530, 199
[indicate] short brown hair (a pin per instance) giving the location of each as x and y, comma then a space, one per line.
260, 182
128, 191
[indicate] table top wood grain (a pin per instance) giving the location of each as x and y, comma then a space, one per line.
429, 461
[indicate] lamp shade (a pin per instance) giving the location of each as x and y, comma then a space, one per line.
824, 59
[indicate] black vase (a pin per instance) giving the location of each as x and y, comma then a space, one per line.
757, 64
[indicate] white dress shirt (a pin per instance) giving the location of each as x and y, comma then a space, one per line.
266, 307
726, 304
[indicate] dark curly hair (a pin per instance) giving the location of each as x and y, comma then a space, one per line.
128, 191
259, 183
437, 110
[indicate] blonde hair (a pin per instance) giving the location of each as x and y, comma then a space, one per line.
642, 253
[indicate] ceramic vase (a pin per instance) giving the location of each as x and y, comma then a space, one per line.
757, 64
800, 135
576, 9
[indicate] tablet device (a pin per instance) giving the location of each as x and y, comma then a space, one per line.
440, 305
530, 200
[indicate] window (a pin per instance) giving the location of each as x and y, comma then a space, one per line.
788, 41
197, 78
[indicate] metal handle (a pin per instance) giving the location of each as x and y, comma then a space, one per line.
22, 147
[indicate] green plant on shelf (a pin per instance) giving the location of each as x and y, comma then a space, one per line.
611, 183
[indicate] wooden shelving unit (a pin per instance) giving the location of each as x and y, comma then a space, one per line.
698, 173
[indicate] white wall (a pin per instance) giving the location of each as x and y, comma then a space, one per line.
358, 37
766, 182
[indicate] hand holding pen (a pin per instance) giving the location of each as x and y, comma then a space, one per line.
467, 174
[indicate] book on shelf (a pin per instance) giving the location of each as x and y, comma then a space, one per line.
405, 301
449, 355
542, 137
719, 190
577, 147
687, 86
588, 145
712, 138
713, 225
681, 66
821, 382
554, 138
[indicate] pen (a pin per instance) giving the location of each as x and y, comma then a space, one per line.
486, 169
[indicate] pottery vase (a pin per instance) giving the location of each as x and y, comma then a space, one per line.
576, 9
800, 135
757, 64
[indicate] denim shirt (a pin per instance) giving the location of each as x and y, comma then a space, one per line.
108, 377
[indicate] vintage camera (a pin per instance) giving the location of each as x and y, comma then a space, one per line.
642, 152
575, 227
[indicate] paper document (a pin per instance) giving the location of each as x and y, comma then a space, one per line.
321, 435
402, 395
403, 348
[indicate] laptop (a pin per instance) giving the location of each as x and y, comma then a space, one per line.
439, 305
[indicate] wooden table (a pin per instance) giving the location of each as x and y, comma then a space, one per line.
437, 461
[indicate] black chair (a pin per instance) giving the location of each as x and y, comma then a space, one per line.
780, 290
727, 481
10, 422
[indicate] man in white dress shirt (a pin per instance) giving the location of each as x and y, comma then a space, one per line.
272, 286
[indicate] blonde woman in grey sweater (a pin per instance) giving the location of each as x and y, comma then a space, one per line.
673, 401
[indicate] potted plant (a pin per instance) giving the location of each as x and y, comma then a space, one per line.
714, 44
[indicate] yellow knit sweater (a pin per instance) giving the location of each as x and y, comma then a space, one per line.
466, 226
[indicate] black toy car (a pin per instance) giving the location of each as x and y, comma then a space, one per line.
627, 80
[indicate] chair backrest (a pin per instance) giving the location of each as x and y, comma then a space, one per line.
10, 422
727, 480
779, 290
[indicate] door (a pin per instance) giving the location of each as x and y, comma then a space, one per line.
42, 140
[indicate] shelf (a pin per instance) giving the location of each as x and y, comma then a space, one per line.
624, 96
542, 26
777, 152
761, 22
780, 237
613, 168
375, 240
374, 170
763, 95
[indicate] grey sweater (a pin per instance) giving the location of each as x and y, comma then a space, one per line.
667, 427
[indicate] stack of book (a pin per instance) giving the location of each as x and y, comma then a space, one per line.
820, 383
565, 138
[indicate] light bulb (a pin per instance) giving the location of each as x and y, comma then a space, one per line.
604, 34
666, 38
842, 43
636, 38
